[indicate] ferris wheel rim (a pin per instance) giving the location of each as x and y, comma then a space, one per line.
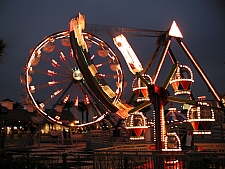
38, 48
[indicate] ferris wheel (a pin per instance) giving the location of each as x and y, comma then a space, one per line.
53, 77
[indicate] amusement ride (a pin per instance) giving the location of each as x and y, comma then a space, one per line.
76, 65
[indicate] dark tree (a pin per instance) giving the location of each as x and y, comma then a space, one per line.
69, 104
2, 53
17, 105
2, 49
82, 108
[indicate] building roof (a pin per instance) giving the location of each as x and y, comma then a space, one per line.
7, 99
19, 115
25, 116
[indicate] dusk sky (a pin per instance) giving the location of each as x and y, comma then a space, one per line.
25, 23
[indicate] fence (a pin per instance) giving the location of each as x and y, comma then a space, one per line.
27, 159
115, 159
157, 160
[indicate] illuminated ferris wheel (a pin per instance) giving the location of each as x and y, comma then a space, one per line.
52, 77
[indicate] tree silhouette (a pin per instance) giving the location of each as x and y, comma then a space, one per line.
17, 105
82, 108
2, 49
68, 105
2, 53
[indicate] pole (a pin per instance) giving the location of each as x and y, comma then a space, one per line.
1, 133
157, 106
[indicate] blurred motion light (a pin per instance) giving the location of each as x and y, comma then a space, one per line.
132, 60
77, 25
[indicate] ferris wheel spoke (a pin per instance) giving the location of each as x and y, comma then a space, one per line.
98, 110
48, 72
47, 84
63, 59
99, 65
60, 94
55, 94
108, 76
66, 98
72, 59
63, 93
34, 88
52, 83
64, 88
72, 95
55, 64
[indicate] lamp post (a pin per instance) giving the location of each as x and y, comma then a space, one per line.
3, 110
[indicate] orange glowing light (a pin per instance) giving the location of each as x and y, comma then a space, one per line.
86, 100
51, 72
57, 117
76, 102
77, 25
102, 52
92, 57
114, 67
98, 65
62, 56
66, 98
101, 75
52, 83
131, 58
32, 89
49, 47
56, 93
42, 105
54, 63
71, 53
122, 113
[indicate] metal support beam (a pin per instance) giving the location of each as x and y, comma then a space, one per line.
155, 76
166, 83
157, 105
200, 71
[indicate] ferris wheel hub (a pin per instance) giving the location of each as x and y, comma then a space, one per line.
77, 75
